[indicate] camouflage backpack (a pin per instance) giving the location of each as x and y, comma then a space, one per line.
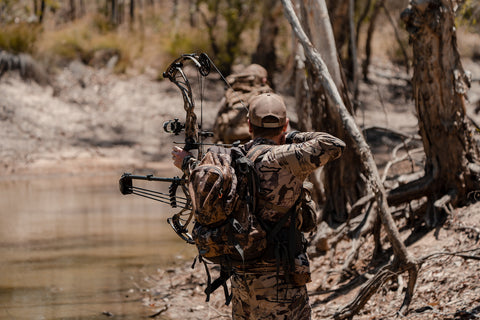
227, 230
223, 188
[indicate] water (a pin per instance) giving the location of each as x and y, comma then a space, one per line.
75, 248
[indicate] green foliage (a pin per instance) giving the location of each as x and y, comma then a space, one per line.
469, 14
226, 21
54, 5
102, 24
19, 37
188, 42
83, 41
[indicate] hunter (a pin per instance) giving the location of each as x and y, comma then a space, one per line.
231, 120
274, 287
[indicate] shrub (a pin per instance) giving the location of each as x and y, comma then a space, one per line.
19, 37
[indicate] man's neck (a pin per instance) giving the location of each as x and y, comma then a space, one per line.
276, 139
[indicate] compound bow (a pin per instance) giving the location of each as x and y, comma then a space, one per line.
194, 137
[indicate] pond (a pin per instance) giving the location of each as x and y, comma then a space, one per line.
73, 247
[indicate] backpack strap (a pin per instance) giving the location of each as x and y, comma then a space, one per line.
220, 281
258, 151
225, 274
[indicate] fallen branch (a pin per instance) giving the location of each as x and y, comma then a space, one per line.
385, 274
396, 160
159, 312
457, 254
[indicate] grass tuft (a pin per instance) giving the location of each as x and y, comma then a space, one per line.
19, 37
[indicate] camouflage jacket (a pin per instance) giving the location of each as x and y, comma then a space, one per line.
284, 168
282, 171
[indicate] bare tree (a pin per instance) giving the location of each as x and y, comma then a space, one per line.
368, 46
236, 14
338, 10
132, 11
402, 261
265, 54
72, 10
343, 183
452, 167
83, 9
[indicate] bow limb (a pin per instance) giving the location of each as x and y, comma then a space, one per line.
175, 73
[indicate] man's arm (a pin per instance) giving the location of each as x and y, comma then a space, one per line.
307, 151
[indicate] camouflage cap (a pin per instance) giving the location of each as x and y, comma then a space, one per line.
249, 73
254, 70
268, 110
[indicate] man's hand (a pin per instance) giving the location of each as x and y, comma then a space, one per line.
178, 154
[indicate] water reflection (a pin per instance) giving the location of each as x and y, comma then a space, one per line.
75, 248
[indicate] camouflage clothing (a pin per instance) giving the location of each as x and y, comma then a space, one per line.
284, 168
262, 297
231, 121
262, 290
282, 171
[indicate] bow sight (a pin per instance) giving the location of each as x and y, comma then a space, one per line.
173, 126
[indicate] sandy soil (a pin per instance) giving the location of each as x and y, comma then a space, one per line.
93, 121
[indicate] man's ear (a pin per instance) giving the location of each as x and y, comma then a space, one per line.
249, 126
285, 127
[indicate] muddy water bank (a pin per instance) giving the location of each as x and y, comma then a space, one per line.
74, 248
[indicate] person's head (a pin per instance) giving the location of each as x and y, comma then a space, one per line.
257, 71
254, 73
267, 116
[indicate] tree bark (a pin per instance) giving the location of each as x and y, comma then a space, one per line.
368, 45
338, 11
114, 14
343, 184
265, 53
42, 11
132, 11
440, 85
353, 48
83, 9
362, 18
403, 261
73, 10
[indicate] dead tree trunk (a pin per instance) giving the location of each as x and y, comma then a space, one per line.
41, 13
402, 261
368, 44
440, 84
73, 10
338, 11
343, 184
265, 54
132, 11
83, 9
114, 12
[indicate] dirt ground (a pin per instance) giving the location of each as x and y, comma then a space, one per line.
94, 121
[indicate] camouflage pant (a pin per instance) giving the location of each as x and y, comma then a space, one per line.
257, 296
